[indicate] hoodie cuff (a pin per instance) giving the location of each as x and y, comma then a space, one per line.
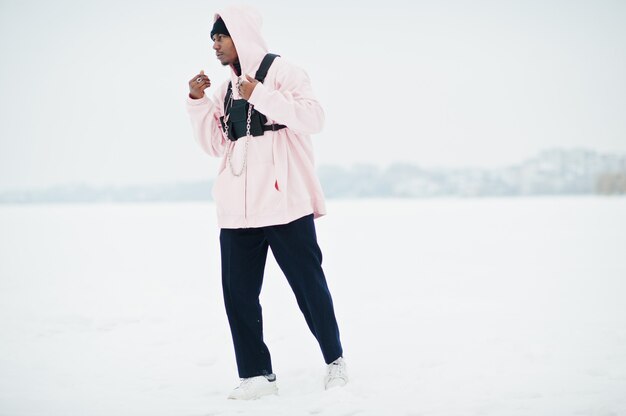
199, 101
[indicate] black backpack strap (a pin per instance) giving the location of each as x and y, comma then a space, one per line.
274, 127
261, 73
227, 96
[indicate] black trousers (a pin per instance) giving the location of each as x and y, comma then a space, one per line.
294, 245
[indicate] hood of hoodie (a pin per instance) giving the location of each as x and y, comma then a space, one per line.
244, 25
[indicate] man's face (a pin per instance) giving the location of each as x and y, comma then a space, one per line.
225, 49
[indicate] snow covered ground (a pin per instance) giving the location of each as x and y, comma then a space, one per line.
446, 307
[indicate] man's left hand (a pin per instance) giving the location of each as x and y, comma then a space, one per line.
246, 87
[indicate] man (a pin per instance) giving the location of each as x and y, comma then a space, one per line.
266, 193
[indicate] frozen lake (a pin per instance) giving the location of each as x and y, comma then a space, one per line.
446, 307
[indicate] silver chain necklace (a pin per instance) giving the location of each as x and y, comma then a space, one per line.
231, 147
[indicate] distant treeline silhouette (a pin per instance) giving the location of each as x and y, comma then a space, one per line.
552, 172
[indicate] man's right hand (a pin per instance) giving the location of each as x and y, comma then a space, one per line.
196, 89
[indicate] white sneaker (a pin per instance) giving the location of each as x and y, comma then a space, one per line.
254, 388
336, 374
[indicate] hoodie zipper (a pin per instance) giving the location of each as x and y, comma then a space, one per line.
245, 179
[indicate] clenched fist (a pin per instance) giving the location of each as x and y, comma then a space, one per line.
247, 87
198, 84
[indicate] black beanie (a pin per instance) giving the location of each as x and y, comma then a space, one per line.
219, 27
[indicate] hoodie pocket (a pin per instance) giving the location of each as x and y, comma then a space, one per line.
264, 193
229, 193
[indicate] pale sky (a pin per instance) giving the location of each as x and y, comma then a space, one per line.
93, 92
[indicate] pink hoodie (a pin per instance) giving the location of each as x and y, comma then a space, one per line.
279, 183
